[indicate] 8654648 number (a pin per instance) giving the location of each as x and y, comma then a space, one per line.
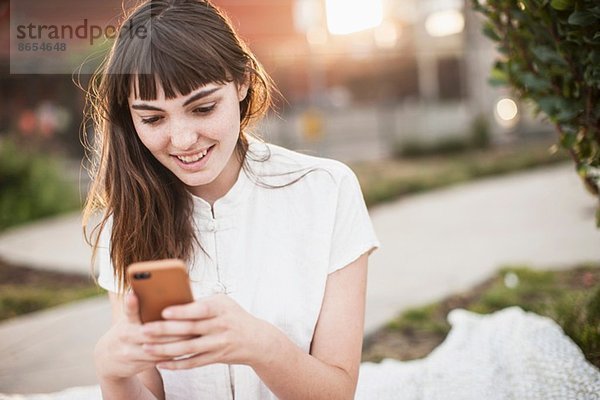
45, 46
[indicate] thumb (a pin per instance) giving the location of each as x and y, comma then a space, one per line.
132, 308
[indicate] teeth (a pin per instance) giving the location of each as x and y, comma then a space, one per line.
194, 158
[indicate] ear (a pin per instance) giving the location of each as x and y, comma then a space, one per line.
243, 87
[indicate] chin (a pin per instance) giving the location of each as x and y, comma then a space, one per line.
196, 181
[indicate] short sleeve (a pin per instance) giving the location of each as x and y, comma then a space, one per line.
353, 233
106, 277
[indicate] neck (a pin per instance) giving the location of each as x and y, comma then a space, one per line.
222, 184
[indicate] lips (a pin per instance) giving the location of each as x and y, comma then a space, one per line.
193, 162
193, 157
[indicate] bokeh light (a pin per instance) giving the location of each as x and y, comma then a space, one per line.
506, 112
445, 23
348, 16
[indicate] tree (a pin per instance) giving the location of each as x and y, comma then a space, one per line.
550, 55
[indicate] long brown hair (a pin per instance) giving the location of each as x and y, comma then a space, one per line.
185, 44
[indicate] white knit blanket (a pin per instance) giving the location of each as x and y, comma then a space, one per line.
510, 354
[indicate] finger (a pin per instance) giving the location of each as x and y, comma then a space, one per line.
200, 344
198, 360
137, 336
132, 308
194, 310
136, 353
179, 328
166, 339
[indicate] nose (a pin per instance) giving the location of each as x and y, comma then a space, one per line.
183, 135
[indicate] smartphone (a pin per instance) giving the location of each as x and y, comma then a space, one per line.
159, 284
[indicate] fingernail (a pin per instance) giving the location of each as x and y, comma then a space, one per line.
167, 313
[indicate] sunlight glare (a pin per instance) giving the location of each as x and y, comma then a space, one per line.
348, 16
386, 35
506, 112
445, 23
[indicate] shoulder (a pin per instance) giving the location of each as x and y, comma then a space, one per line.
272, 159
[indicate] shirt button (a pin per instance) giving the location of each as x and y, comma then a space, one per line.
211, 226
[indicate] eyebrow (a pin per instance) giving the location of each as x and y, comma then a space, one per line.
199, 95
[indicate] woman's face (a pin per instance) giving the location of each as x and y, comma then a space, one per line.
195, 135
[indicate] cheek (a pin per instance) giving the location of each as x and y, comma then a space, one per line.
223, 127
153, 139
233, 122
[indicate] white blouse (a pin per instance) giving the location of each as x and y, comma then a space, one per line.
271, 250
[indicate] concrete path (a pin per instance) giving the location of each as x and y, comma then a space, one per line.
54, 244
52, 350
446, 241
432, 245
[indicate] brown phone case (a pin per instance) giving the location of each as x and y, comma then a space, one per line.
159, 284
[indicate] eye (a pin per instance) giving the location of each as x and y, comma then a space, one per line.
205, 109
151, 120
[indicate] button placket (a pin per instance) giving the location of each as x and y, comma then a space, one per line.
220, 288
211, 226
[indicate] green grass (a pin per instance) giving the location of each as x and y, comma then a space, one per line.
386, 180
31, 185
24, 290
569, 297
17, 300
421, 319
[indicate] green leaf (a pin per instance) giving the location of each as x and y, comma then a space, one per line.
477, 6
535, 83
595, 11
582, 18
498, 76
591, 41
567, 115
518, 15
561, 4
503, 49
567, 140
594, 57
489, 31
546, 54
550, 105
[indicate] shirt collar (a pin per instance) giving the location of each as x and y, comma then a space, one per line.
227, 205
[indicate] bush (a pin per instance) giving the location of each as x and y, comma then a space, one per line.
480, 133
31, 186
580, 318
478, 137
550, 55
445, 146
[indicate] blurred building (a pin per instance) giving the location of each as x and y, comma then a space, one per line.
418, 75
45, 109
418, 72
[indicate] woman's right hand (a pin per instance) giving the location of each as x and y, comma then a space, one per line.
119, 353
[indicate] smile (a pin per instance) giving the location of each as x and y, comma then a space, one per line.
189, 159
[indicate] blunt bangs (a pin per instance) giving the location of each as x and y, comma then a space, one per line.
182, 50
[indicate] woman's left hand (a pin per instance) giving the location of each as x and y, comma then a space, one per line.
221, 330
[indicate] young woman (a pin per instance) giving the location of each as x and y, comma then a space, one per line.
276, 242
